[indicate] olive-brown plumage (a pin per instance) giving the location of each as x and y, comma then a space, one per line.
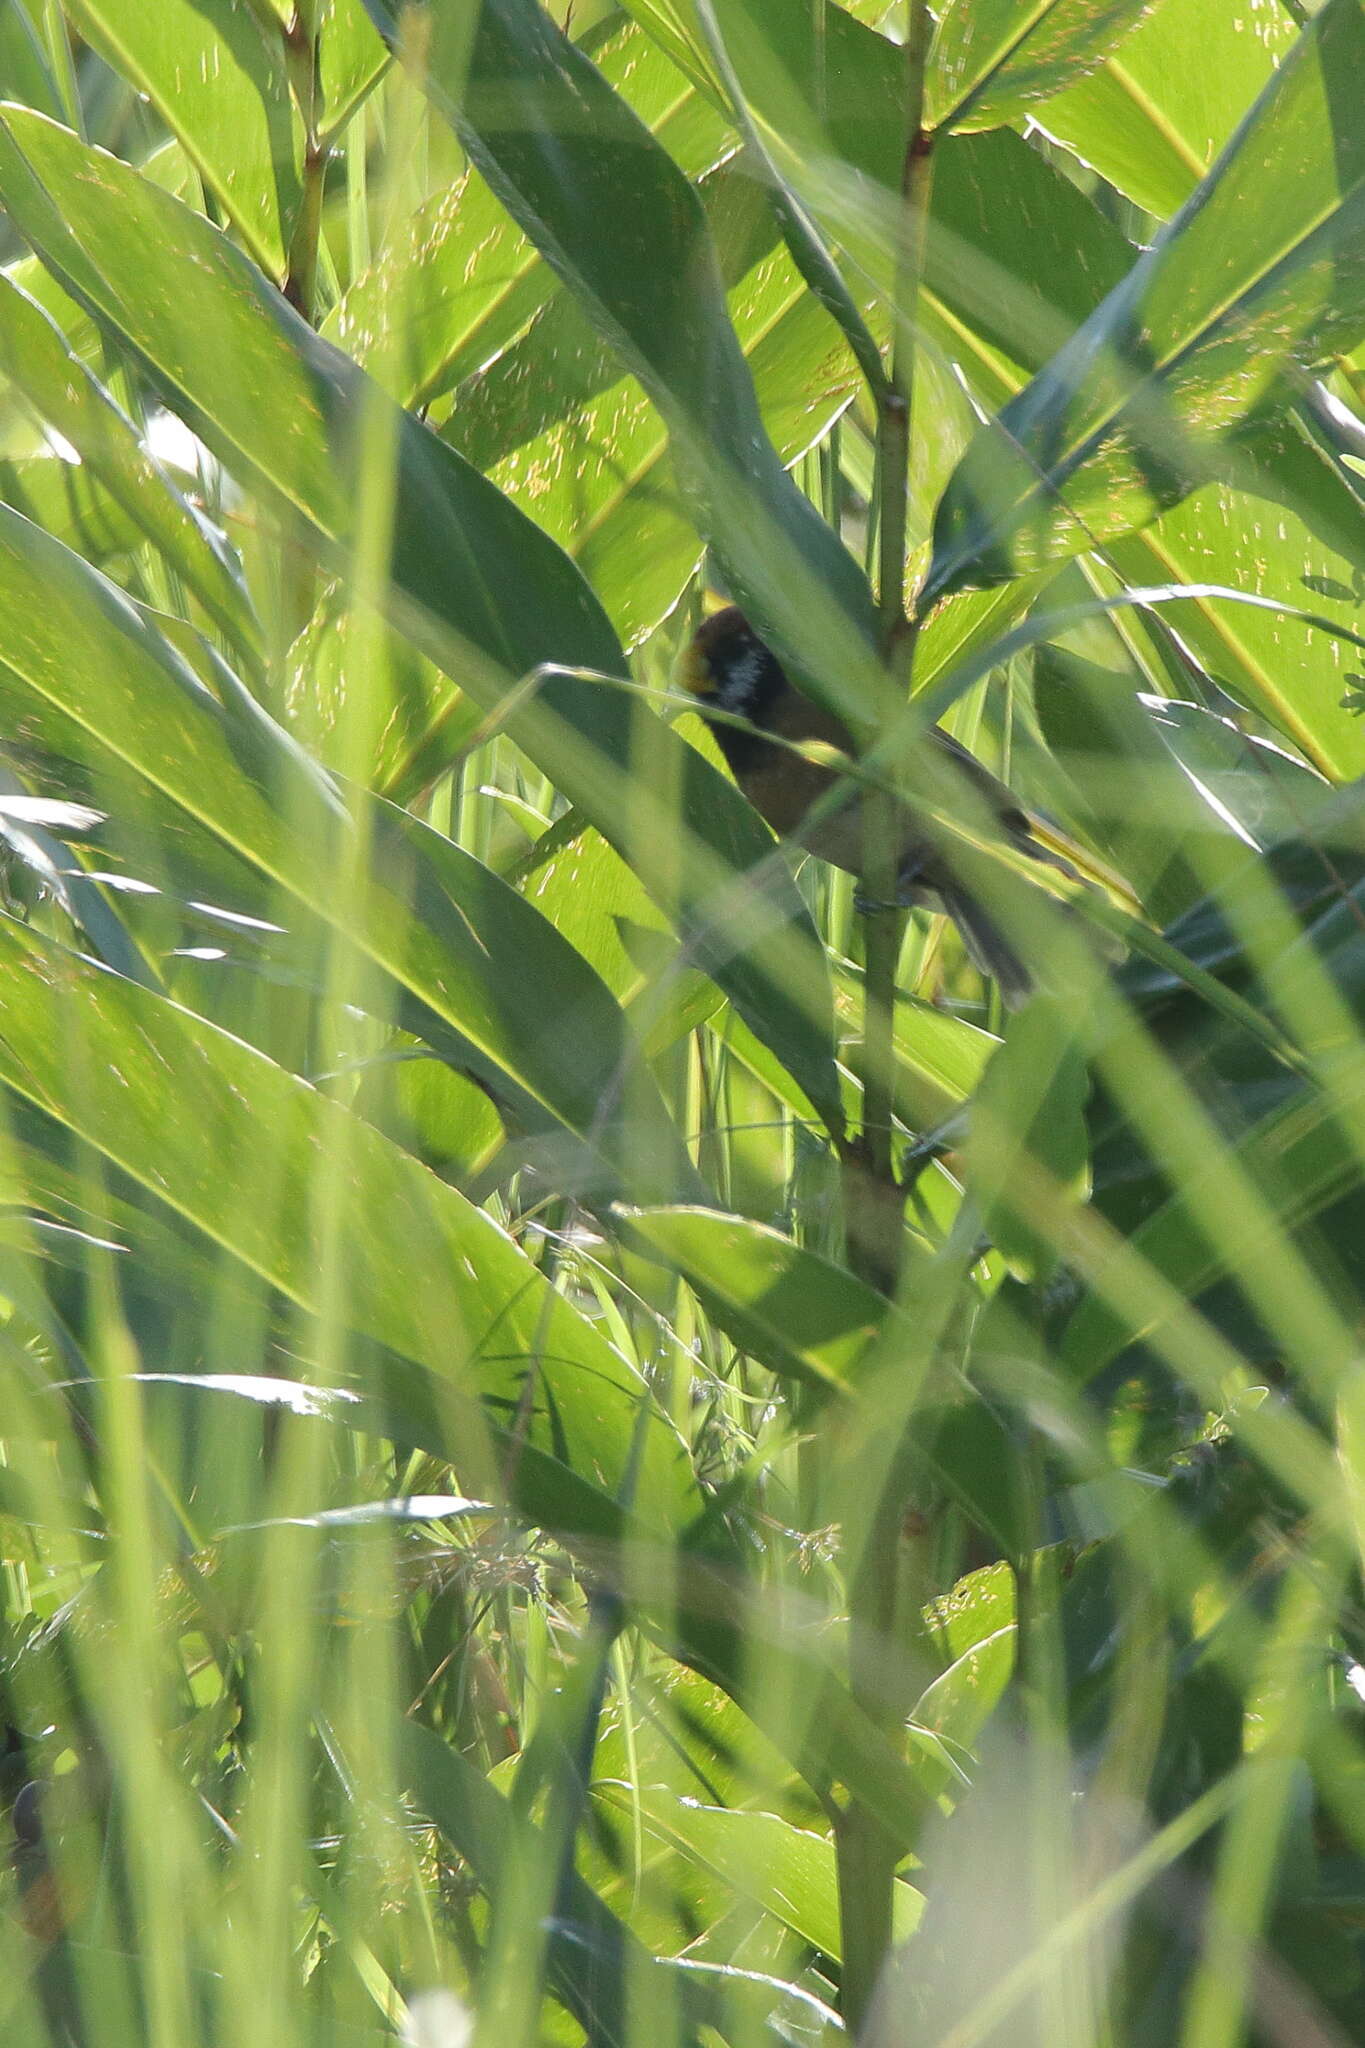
730, 670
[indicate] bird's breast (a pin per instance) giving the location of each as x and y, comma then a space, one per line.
783, 790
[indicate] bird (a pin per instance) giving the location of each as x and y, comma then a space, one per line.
730, 670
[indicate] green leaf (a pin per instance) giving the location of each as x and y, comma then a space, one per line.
1154, 118
595, 1961
990, 59
35, 357
962, 1699
939, 1057
788, 1871
593, 469
504, 954
1250, 784
220, 83
460, 281
619, 222
422, 725
467, 960
474, 582
1278, 666
25, 840
1129, 794
1016, 256
1028, 1117
1261, 270
696, 1742
351, 59
24, 64
597, 904
1299, 1158
65, 499
797, 1313
234, 1148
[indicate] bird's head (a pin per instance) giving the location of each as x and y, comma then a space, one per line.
728, 668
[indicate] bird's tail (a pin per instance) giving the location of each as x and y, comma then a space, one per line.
989, 951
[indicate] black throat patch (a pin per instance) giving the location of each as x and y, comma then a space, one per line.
750, 682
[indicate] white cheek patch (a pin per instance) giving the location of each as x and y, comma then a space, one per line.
742, 677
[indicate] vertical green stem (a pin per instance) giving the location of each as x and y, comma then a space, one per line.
300, 38
882, 828
301, 59
878, 1589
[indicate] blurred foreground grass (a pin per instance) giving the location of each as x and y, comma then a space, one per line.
570, 1465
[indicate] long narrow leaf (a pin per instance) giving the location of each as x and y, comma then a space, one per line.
1262, 269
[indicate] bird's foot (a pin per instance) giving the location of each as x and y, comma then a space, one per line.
940, 1143
873, 906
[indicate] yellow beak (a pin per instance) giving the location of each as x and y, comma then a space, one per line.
694, 673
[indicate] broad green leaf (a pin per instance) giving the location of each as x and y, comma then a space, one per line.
35, 358
1299, 460
168, 168
675, 29
797, 1313
467, 961
67, 502
445, 295
794, 1695
1261, 270
1303, 1160
939, 1057
789, 1698
474, 582
440, 1116
1011, 238
423, 723
971, 619
220, 82
577, 1050
596, 902
1117, 744
598, 478
1226, 1206
594, 1959
234, 1148
959, 1703
619, 222
1016, 255
788, 1871
978, 1607
460, 280
1277, 665
696, 1742
24, 63
992, 58
27, 842
1154, 118
351, 58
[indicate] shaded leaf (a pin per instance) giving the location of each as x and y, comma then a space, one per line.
1028, 1115
34, 356
425, 1273
474, 582
619, 222
992, 58
1153, 119
1263, 268
219, 81
799, 1314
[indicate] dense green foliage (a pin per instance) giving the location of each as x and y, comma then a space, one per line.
588, 1437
